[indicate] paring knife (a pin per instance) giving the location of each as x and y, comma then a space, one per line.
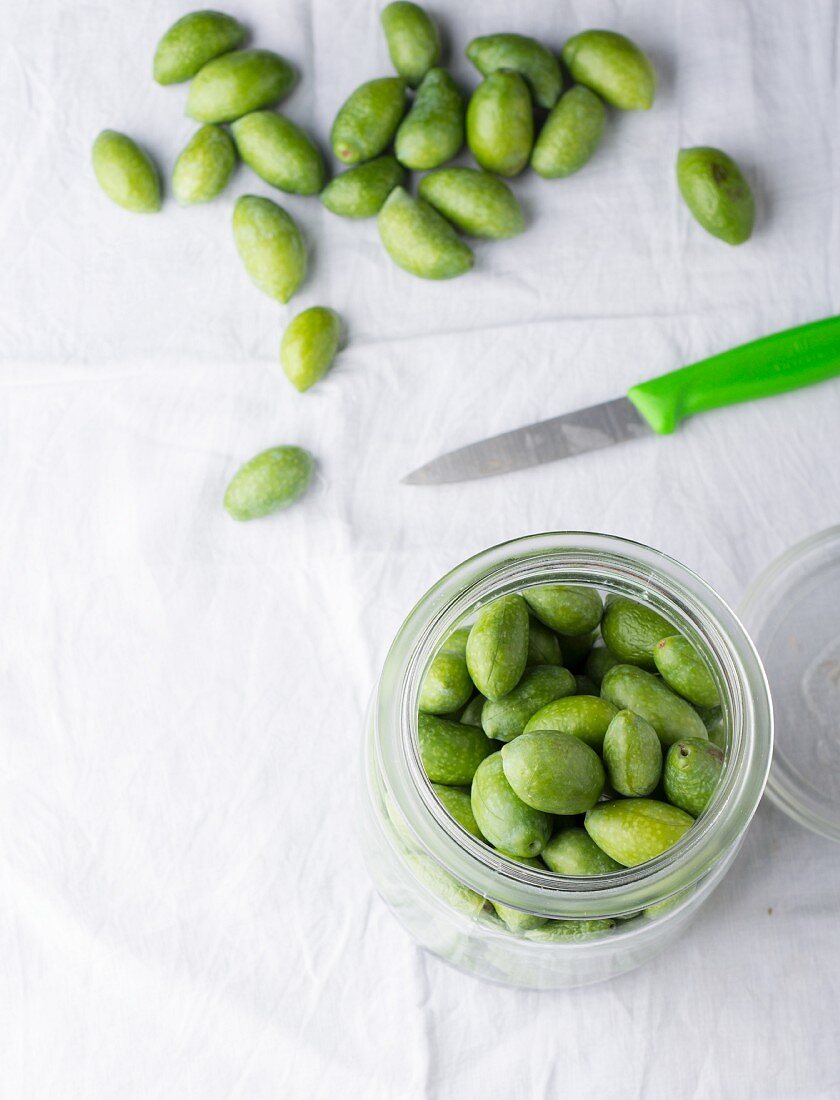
774, 364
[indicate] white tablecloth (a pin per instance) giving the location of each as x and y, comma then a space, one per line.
184, 910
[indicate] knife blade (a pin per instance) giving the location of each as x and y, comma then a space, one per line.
546, 441
774, 364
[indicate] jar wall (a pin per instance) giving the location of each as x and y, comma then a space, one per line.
478, 942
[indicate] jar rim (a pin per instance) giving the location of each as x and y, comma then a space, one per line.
610, 563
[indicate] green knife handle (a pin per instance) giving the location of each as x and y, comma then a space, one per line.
774, 364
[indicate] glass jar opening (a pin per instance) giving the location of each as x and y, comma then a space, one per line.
613, 565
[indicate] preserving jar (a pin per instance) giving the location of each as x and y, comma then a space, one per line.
436, 877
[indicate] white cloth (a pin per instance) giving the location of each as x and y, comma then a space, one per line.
184, 908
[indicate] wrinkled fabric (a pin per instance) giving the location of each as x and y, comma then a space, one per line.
185, 910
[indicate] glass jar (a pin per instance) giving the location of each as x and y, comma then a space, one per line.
437, 878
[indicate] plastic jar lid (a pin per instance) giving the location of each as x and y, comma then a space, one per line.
792, 611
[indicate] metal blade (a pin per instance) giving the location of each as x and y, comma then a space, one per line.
546, 441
